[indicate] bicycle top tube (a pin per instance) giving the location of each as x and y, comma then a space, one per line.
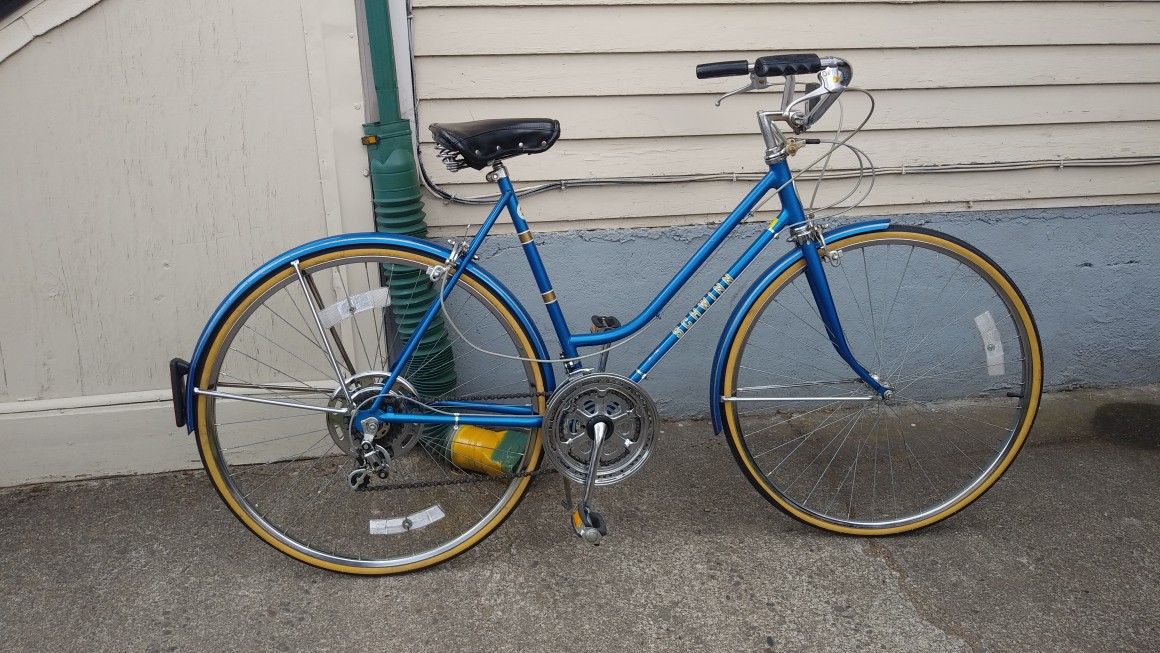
791, 213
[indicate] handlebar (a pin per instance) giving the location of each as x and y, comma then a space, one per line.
787, 64
778, 65
723, 69
834, 77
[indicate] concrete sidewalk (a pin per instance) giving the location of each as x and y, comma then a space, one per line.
1061, 555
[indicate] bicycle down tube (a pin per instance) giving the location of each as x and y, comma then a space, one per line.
779, 178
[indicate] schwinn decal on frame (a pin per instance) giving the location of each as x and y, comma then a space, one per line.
702, 306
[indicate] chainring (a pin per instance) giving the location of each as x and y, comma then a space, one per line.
627, 411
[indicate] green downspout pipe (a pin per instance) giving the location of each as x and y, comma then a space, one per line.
398, 209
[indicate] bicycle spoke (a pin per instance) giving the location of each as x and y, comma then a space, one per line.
292, 468
888, 463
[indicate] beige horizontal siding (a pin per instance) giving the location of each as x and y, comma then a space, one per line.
686, 155
671, 73
955, 83
684, 28
557, 3
642, 116
604, 207
925, 207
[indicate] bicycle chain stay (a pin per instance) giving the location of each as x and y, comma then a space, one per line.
414, 485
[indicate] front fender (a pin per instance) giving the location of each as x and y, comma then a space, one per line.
717, 377
344, 241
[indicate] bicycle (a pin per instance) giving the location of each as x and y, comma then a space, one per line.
348, 415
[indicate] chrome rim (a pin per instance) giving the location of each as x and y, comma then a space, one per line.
282, 465
941, 333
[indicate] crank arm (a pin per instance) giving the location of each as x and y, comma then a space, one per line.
588, 523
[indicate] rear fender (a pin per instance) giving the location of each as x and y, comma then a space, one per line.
344, 241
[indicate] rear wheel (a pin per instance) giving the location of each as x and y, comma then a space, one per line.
290, 470
943, 326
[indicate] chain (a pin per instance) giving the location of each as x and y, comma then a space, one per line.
548, 469
473, 478
513, 395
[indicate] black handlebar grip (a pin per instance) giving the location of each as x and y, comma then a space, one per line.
781, 65
722, 69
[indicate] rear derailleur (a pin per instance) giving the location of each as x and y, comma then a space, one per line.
373, 458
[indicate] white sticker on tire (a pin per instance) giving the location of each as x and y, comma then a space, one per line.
400, 525
992, 343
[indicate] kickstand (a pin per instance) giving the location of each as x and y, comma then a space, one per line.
567, 502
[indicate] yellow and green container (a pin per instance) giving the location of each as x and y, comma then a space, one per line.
486, 451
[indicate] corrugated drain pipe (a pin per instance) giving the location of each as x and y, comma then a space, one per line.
398, 208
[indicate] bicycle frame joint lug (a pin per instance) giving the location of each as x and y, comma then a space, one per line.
572, 366
811, 231
803, 233
498, 172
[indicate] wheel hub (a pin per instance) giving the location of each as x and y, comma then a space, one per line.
364, 389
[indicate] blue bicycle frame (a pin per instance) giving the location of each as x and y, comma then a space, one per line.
779, 179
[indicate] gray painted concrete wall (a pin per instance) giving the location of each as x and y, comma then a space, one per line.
1091, 276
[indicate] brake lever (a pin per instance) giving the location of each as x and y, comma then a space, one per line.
755, 84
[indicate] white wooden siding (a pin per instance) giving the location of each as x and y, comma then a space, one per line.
151, 154
955, 82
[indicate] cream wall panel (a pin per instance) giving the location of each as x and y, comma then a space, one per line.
151, 154
956, 83
693, 115
13, 37
607, 207
575, 28
557, 3
634, 157
665, 73
336, 88
102, 441
34, 19
874, 210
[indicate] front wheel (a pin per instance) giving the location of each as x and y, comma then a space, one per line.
277, 441
937, 321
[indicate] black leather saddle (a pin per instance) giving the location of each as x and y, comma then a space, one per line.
480, 143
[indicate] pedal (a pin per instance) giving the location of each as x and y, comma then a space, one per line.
588, 524
604, 323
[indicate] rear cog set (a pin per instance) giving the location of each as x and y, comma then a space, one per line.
364, 388
625, 410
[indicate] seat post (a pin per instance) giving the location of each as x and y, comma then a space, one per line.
498, 171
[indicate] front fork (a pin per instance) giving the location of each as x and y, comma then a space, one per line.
809, 240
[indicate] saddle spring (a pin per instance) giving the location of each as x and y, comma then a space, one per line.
452, 159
